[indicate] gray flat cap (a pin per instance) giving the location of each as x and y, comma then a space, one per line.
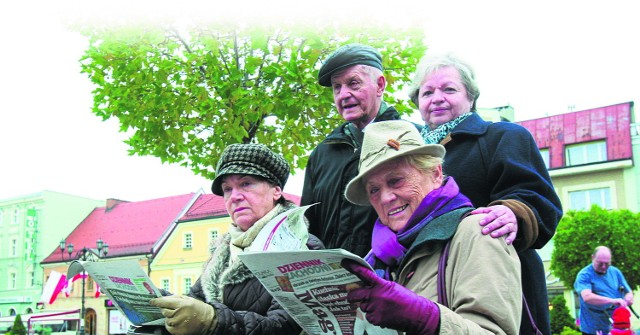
346, 56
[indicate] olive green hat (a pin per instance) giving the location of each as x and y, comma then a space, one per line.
384, 141
346, 56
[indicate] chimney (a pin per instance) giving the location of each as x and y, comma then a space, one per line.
111, 203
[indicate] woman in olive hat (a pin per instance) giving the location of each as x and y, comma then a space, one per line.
434, 273
227, 298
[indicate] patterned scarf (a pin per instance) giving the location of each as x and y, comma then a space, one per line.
441, 131
241, 239
224, 267
390, 248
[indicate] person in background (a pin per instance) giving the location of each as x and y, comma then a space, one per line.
425, 222
228, 298
497, 165
601, 288
354, 72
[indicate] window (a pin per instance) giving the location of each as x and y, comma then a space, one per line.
213, 234
13, 280
585, 153
164, 284
187, 241
15, 216
31, 279
1, 216
584, 199
545, 157
14, 247
186, 287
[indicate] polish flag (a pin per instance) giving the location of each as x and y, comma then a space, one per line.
67, 288
98, 292
55, 284
69, 285
79, 276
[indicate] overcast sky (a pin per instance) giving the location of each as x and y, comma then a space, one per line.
539, 57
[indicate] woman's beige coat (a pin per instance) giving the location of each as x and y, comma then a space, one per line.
482, 281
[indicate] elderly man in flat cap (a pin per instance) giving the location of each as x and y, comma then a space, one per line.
354, 72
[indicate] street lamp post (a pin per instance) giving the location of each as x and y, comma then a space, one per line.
84, 254
149, 260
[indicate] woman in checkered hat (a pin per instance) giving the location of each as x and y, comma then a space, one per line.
227, 298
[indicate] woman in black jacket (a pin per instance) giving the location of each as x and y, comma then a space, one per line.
227, 298
497, 165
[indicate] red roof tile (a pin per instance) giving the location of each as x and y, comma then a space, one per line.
132, 228
129, 228
207, 206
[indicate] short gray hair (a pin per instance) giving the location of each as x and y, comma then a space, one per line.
424, 163
428, 64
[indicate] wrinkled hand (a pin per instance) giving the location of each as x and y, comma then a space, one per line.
185, 315
499, 221
388, 304
619, 302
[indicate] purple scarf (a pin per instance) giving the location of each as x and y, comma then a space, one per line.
390, 247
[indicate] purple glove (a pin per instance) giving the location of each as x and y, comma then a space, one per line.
390, 305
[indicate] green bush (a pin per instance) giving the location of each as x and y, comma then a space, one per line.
42, 330
570, 331
18, 327
560, 317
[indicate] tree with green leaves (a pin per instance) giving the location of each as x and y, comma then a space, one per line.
183, 93
560, 316
570, 331
580, 232
18, 327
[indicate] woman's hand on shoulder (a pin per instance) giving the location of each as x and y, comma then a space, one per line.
499, 221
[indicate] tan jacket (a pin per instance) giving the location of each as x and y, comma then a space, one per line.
482, 281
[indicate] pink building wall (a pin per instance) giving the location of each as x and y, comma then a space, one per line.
611, 123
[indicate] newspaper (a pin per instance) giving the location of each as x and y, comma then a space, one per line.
311, 286
128, 287
287, 231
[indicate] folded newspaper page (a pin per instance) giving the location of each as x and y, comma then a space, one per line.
128, 287
311, 286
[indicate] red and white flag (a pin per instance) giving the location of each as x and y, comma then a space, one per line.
55, 284
69, 285
67, 288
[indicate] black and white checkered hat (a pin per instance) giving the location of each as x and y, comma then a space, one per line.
250, 159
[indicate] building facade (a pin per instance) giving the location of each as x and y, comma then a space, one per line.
590, 157
30, 226
132, 231
589, 154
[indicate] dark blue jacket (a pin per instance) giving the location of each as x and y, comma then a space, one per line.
500, 163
